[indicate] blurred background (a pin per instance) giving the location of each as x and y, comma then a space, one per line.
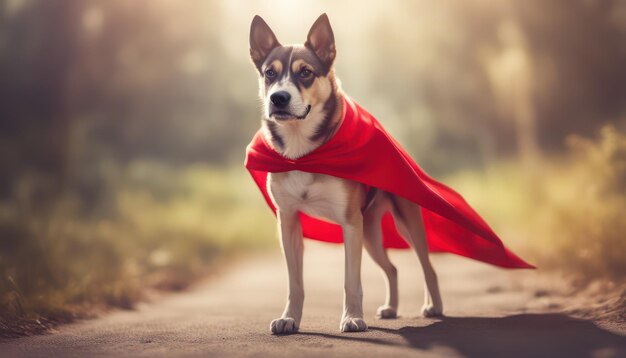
123, 126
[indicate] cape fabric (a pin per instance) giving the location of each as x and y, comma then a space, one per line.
363, 151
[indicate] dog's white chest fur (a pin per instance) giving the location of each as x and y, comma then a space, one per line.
316, 195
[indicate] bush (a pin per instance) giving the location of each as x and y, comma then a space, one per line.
565, 212
157, 226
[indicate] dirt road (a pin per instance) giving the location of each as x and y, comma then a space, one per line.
490, 313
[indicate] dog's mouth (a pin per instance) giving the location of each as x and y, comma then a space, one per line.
286, 116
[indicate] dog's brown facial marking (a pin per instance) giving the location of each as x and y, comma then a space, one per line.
305, 73
275, 66
296, 64
297, 84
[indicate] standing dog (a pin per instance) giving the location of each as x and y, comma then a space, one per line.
301, 111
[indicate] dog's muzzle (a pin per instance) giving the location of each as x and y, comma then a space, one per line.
283, 115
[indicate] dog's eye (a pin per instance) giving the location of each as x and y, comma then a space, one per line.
305, 73
270, 73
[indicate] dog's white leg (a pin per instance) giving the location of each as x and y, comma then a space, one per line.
373, 242
291, 241
352, 319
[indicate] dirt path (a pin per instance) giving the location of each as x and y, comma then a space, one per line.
490, 312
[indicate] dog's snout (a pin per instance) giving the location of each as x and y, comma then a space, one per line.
280, 99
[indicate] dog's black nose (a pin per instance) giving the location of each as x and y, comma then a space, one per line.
280, 98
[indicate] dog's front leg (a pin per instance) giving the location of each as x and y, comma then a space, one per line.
352, 319
291, 240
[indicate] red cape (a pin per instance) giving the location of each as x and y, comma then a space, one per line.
363, 151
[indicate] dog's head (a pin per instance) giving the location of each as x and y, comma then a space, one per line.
296, 82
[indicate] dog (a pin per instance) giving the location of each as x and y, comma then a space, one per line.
302, 110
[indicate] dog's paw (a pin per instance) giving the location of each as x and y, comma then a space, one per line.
285, 325
429, 310
386, 312
353, 324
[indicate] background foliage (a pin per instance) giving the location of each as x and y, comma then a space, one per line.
123, 126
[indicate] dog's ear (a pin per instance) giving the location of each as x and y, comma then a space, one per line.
262, 41
322, 41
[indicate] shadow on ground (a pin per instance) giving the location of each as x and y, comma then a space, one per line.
525, 335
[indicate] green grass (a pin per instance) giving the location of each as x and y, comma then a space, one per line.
157, 227
567, 212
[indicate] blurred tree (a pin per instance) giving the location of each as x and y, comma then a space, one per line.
86, 83
579, 54
511, 74
37, 55
480, 74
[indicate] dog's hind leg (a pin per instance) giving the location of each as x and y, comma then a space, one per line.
293, 248
410, 225
373, 241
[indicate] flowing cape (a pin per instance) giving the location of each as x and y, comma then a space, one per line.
362, 151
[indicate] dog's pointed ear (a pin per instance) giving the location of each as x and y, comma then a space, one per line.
262, 41
322, 40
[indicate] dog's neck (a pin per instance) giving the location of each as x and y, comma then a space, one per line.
296, 138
